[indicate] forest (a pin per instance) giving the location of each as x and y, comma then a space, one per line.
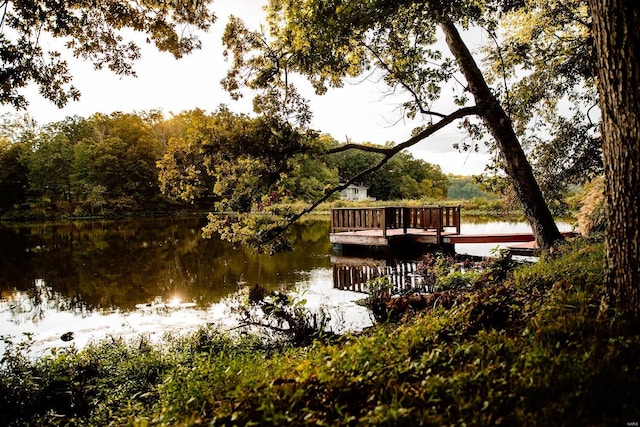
145, 164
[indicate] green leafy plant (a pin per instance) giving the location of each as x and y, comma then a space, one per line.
285, 315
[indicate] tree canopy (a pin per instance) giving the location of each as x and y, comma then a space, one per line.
543, 67
100, 31
402, 177
143, 162
329, 42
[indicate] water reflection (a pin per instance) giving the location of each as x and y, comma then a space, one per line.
116, 265
148, 277
359, 275
134, 277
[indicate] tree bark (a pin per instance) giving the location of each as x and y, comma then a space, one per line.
616, 25
517, 166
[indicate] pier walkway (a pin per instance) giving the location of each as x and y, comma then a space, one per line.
399, 226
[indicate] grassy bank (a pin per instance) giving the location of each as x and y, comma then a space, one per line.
523, 345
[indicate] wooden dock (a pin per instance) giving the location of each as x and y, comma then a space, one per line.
381, 226
389, 227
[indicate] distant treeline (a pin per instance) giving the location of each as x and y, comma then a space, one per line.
144, 162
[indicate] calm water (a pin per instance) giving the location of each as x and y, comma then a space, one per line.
127, 278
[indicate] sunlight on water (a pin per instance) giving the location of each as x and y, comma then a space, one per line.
47, 324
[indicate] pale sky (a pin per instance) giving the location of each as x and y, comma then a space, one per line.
359, 112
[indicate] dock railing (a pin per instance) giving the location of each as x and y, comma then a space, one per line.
358, 219
392, 218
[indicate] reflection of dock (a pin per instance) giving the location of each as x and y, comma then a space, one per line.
358, 274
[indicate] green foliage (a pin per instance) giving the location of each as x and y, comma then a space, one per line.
234, 157
182, 171
264, 233
119, 155
546, 64
96, 31
309, 179
284, 316
466, 188
51, 164
13, 174
377, 302
104, 164
402, 177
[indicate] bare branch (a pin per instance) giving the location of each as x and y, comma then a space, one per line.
504, 69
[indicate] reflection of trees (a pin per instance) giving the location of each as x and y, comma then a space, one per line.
31, 305
15, 259
117, 264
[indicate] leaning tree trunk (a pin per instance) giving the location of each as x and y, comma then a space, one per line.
616, 28
517, 166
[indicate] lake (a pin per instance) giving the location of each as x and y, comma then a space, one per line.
146, 277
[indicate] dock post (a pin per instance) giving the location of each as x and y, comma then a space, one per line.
439, 226
405, 219
383, 222
333, 221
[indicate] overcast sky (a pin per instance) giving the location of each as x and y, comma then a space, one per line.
359, 112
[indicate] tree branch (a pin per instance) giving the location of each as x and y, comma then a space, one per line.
404, 84
350, 146
388, 154
504, 72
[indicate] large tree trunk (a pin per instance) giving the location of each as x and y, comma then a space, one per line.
517, 166
617, 39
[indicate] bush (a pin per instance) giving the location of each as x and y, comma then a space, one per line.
591, 216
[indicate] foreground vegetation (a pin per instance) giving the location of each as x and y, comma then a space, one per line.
520, 345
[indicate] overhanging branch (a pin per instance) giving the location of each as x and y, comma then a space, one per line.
402, 83
388, 154
425, 133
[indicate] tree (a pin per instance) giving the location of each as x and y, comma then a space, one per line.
498, 122
467, 188
182, 171
617, 40
118, 161
17, 134
235, 157
242, 162
309, 178
350, 163
13, 174
93, 30
402, 177
329, 41
50, 165
543, 69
